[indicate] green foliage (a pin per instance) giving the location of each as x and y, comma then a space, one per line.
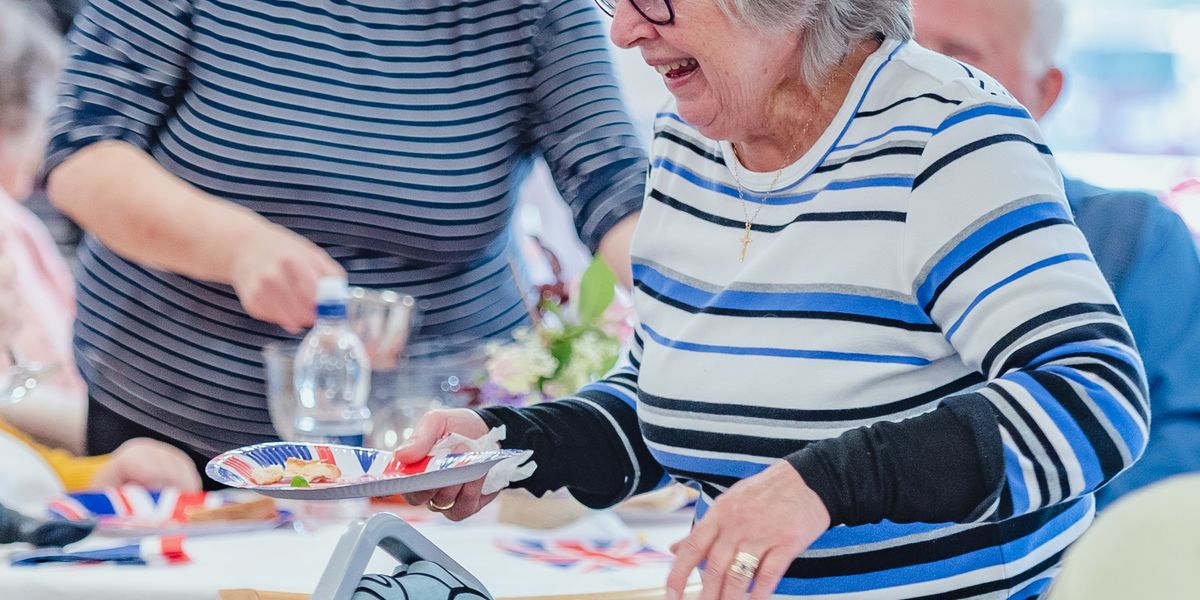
580, 339
596, 292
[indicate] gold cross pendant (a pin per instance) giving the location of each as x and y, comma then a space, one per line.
745, 244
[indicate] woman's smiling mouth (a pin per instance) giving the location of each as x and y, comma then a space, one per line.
677, 69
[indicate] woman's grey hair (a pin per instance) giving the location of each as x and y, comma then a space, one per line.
30, 56
832, 28
1046, 31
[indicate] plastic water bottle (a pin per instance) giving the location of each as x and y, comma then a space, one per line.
332, 374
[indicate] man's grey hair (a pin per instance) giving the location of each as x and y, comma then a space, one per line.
1046, 21
30, 56
831, 28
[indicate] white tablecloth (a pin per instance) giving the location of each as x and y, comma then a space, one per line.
293, 561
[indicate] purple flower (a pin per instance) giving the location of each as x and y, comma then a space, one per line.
493, 394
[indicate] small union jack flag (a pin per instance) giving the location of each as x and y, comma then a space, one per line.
588, 556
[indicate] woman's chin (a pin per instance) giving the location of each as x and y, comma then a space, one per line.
699, 116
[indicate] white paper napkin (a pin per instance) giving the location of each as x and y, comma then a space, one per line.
504, 473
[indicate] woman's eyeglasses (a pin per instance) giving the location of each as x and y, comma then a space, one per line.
659, 12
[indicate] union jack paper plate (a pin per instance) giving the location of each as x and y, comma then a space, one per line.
366, 472
136, 511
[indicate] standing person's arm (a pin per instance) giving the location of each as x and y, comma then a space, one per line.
135, 207
1161, 300
128, 68
584, 132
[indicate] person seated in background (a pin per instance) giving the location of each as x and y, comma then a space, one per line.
1144, 249
37, 303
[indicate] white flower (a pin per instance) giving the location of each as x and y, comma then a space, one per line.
519, 367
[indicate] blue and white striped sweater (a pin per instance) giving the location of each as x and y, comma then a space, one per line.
922, 251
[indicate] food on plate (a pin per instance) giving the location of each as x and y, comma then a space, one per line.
296, 472
267, 475
260, 509
313, 471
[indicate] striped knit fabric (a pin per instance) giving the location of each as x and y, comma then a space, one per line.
922, 250
393, 134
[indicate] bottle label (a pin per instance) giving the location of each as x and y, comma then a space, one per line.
332, 310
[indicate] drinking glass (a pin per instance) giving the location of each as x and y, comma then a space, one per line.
383, 319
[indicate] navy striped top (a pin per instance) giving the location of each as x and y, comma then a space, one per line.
394, 135
919, 328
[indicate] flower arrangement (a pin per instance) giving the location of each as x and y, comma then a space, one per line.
576, 339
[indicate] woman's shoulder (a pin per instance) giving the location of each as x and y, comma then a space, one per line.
931, 86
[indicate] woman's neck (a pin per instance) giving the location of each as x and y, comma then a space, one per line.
798, 115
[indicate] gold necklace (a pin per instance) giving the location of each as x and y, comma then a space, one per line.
788, 159
763, 202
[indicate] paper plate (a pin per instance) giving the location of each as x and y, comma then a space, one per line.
136, 511
366, 472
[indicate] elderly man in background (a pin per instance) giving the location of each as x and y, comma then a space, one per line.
1144, 249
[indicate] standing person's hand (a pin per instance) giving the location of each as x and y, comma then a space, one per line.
750, 535
275, 277
150, 464
457, 502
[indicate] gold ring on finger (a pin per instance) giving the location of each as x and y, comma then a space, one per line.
439, 507
744, 565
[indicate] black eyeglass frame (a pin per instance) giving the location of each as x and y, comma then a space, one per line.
609, 7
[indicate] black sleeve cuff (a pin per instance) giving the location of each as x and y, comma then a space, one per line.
943, 466
570, 448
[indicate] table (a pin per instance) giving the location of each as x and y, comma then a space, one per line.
293, 561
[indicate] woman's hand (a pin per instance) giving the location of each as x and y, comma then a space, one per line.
275, 277
150, 464
457, 502
771, 517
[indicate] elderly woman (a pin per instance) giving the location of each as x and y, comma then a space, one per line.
223, 156
870, 334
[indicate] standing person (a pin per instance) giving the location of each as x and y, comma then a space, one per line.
869, 332
223, 156
1144, 249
